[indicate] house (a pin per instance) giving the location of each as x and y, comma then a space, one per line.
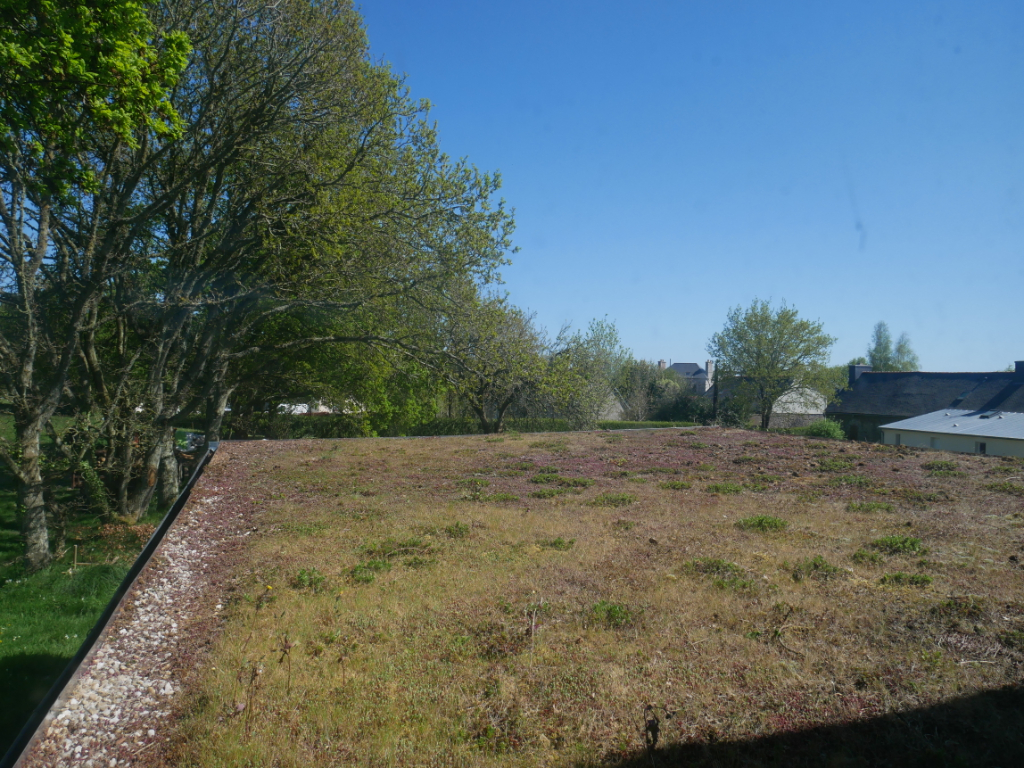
691, 373
873, 399
993, 432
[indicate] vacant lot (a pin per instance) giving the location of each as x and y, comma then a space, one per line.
559, 599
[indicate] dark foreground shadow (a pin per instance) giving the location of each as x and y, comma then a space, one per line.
985, 729
24, 680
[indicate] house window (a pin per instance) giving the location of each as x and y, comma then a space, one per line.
897, 442
979, 448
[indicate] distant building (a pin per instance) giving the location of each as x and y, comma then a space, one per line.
993, 432
873, 399
699, 378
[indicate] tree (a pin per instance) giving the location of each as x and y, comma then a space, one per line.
582, 371
771, 353
80, 82
493, 357
883, 357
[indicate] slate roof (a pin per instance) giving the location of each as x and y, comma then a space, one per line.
971, 423
898, 394
687, 369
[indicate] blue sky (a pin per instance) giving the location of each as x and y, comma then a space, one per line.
670, 160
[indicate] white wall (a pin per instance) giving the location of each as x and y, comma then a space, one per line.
994, 446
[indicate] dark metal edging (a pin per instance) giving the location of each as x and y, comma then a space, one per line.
41, 717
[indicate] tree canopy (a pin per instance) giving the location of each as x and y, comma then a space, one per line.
882, 355
770, 352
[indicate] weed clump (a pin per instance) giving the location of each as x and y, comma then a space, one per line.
898, 545
744, 459
365, 573
472, 483
722, 573
863, 557
613, 500
961, 607
547, 493
623, 525
576, 482
545, 477
857, 481
614, 615
940, 466
947, 473
724, 488
834, 465
456, 531
548, 470
308, 578
674, 485
817, 568
1007, 487
901, 579
763, 523
394, 547
870, 506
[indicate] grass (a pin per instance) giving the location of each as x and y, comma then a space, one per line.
675, 485
763, 523
534, 633
45, 616
1013, 489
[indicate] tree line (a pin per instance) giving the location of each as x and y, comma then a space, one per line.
205, 203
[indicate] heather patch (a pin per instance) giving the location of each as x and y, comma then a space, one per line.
537, 629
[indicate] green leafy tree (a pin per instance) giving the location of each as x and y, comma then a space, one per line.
883, 356
493, 356
582, 371
80, 84
770, 353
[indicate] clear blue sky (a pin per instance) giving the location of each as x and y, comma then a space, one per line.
669, 160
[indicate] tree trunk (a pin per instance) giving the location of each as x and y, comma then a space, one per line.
30, 497
169, 477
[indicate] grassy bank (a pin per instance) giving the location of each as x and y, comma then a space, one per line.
543, 600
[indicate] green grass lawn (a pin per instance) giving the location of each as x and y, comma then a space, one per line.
44, 617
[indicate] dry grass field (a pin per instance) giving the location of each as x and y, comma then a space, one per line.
568, 599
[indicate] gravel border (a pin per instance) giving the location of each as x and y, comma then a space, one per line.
119, 711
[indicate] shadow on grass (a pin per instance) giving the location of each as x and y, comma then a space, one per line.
24, 679
986, 729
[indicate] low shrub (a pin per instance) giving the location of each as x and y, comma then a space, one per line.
547, 493
1007, 487
901, 579
817, 568
723, 574
940, 466
365, 573
613, 500
898, 545
834, 465
870, 506
724, 488
863, 557
614, 615
674, 485
457, 531
825, 428
576, 482
544, 477
763, 523
947, 473
961, 607
308, 578
559, 544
